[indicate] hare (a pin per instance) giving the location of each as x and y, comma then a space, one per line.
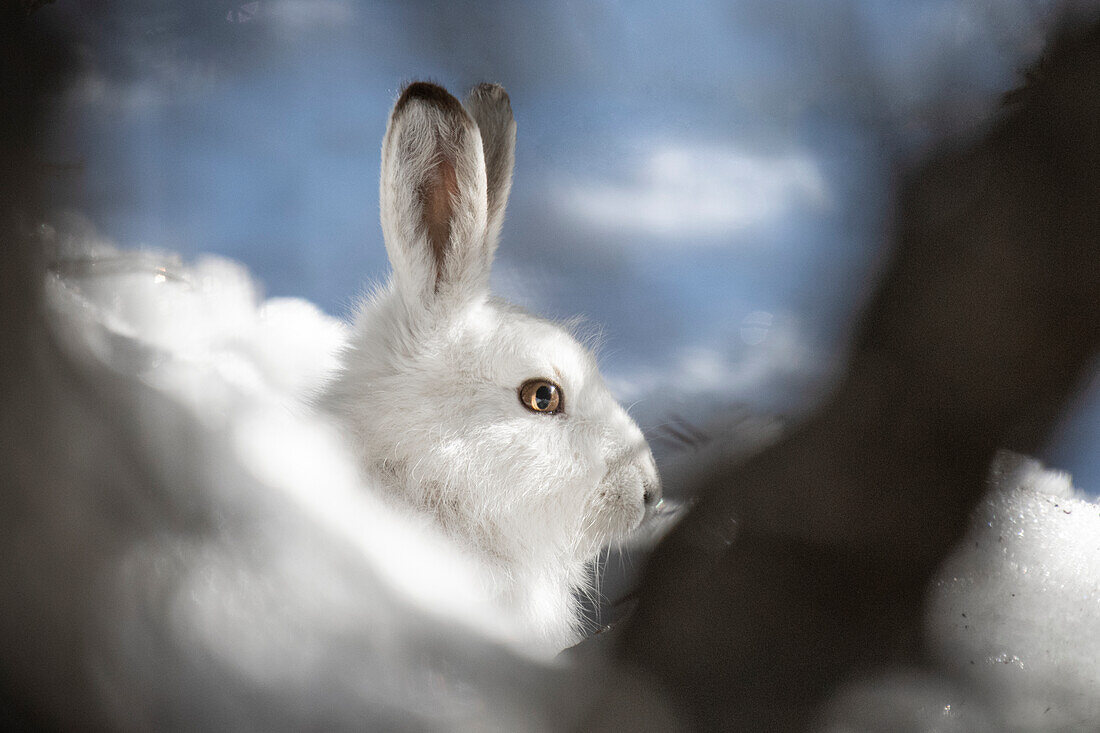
493, 422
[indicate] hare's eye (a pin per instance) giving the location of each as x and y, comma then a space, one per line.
540, 395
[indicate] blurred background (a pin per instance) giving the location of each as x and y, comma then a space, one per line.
708, 185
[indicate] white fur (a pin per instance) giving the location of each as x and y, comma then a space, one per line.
428, 391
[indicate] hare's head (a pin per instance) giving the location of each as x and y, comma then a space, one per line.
495, 421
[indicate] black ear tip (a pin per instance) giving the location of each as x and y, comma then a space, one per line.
428, 93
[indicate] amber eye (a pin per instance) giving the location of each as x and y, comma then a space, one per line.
540, 395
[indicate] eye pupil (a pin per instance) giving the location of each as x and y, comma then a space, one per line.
543, 396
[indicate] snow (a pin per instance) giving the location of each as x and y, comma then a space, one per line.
278, 591
1016, 610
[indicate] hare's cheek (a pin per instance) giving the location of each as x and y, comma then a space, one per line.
587, 450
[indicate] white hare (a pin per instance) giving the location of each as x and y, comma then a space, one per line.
492, 421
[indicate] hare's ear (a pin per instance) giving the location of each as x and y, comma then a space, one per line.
491, 109
433, 200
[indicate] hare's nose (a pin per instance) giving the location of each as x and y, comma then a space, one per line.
652, 491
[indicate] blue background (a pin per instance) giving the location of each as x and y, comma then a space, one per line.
708, 184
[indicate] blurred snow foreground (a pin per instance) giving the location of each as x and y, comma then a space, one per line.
275, 574
266, 586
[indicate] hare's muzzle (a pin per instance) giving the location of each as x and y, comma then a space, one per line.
652, 493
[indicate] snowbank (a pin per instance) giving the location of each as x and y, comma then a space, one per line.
1016, 609
244, 577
